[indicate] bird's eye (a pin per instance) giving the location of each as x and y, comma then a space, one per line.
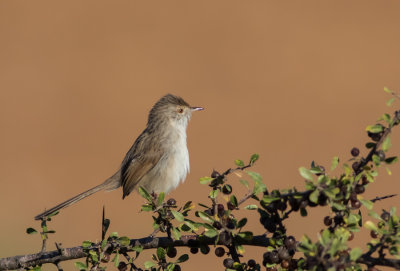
180, 110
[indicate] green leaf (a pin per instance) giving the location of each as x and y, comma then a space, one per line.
245, 183
137, 249
239, 163
255, 176
391, 160
114, 234
374, 128
124, 241
80, 266
355, 253
205, 180
370, 226
314, 196
53, 214
170, 267
367, 203
251, 207
335, 163
149, 264
386, 117
147, 208
161, 198
176, 233
205, 217
161, 253
182, 258
306, 173
386, 144
246, 235
242, 222
370, 145
210, 231
145, 194
178, 216
86, 244
214, 193
233, 200
390, 102
116, 259
31, 231
385, 89
254, 158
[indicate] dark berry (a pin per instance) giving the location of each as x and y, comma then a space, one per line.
374, 234
122, 266
385, 216
365, 180
210, 212
227, 189
171, 202
338, 219
219, 251
355, 152
177, 268
327, 221
230, 225
303, 204
194, 250
205, 249
353, 196
285, 264
214, 174
274, 257
283, 253
171, 252
251, 263
359, 189
225, 238
355, 165
356, 204
381, 155
267, 257
322, 199
228, 262
230, 206
290, 242
217, 225
220, 209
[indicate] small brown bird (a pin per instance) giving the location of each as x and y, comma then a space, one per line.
158, 159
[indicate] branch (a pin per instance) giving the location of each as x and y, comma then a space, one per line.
23, 261
371, 261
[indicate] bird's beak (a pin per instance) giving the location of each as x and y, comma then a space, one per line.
195, 108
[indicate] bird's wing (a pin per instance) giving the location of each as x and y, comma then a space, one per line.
137, 163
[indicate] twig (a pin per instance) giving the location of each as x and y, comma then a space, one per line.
382, 198
387, 131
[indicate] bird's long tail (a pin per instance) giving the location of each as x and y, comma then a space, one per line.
108, 185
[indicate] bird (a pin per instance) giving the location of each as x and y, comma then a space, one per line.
158, 160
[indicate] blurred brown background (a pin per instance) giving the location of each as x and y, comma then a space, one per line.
294, 81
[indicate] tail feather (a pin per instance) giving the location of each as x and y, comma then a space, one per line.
110, 184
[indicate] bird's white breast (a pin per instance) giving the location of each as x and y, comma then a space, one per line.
173, 166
